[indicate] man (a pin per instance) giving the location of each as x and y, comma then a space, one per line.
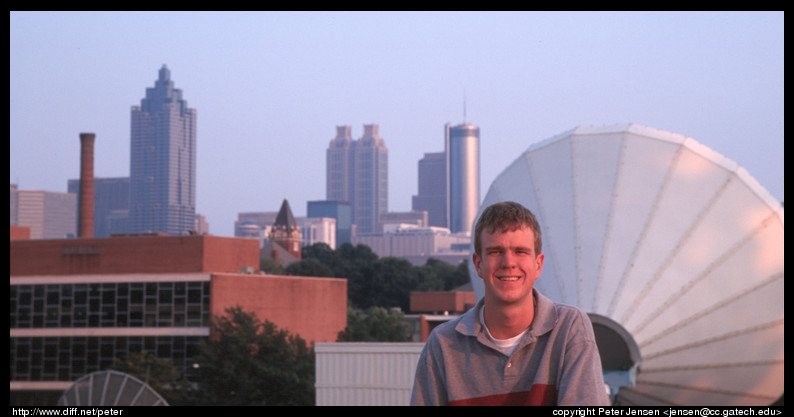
516, 346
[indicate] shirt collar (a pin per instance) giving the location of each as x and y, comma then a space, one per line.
543, 322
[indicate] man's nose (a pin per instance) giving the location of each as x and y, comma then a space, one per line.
508, 259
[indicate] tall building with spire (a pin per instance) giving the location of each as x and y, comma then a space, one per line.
357, 171
163, 161
449, 181
462, 144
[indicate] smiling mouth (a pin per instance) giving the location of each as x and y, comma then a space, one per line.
508, 279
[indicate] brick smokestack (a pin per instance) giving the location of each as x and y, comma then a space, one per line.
85, 204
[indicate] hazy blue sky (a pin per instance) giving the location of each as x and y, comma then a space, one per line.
270, 87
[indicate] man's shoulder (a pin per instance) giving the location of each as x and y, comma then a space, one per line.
573, 320
462, 325
556, 315
569, 311
558, 309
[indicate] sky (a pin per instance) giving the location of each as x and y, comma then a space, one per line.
270, 88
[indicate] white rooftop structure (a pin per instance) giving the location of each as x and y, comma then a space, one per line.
366, 374
674, 242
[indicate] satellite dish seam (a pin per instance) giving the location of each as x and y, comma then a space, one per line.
675, 251
716, 339
624, 131
104, 393
138, 394
608, 233
621, 283
707, 390
546, 236
684, 143
577, 228
698, 278
88, 382
708, 310
121, 389
734, 171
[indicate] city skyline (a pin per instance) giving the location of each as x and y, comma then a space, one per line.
271, 87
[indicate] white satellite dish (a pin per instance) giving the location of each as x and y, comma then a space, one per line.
110, 388
682, 248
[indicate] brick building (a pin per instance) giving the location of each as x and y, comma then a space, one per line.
76, 304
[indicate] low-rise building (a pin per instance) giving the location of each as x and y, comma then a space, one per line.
416, 243
77, 304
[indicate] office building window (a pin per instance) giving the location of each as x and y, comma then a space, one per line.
68, 358
151, 304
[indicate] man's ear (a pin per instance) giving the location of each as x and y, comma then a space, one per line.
476, 259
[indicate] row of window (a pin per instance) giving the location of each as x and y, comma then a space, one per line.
149, 304
69, 358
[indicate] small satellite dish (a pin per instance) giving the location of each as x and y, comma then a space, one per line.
110, 388
672, 247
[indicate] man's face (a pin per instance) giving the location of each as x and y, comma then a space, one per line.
508, 265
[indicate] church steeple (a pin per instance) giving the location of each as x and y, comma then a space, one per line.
285, 217
285, 232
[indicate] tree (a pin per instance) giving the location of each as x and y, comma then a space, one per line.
394, 279
309, 267
250, 362
376, 324
386, 282
270, 266
448, 276
356, 263
321, 252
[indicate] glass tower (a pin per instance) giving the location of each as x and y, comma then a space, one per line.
462, 144
163, 161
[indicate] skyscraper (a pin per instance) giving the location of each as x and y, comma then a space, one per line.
357, 171
370, 180
462, 144
432, 186
163, 161
338, 166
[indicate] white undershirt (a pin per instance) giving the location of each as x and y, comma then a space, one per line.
506, 346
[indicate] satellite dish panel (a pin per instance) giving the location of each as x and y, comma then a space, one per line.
676, 243
110, 388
